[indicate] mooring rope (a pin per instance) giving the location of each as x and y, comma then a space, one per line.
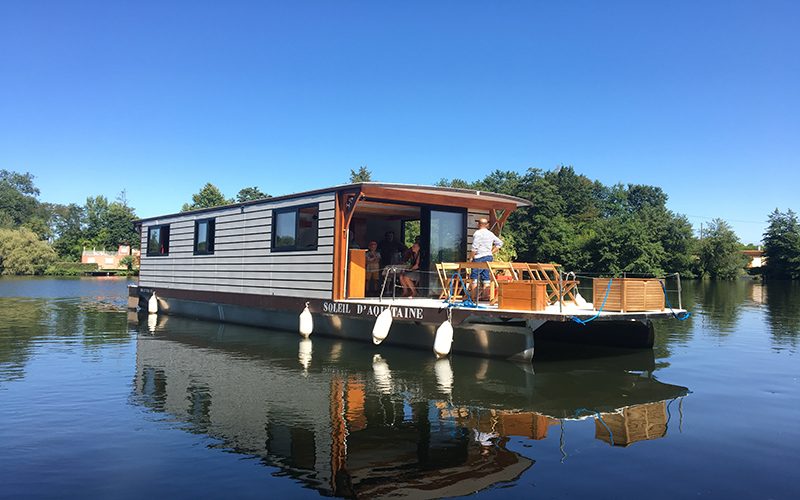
679, 318
583, 322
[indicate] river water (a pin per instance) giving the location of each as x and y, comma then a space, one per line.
97, 403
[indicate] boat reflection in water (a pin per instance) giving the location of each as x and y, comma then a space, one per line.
352, 419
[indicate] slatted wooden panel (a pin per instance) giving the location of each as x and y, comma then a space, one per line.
522, 295
629, 294
243, 261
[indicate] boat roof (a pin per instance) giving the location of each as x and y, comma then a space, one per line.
413, 192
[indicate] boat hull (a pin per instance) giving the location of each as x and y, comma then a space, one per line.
476, 332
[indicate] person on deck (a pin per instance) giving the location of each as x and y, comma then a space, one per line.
391, 250
373, 267
410, 275
484, 245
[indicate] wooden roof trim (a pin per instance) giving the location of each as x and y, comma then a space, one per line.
444, 199
399, 192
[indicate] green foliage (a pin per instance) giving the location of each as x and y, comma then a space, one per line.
363, 174
70, 269
250, 194
119, 222
19, 206
68, 225
208, 197
105, 225
587, 226
508, 252
720, 256
782, 246
455, 183
411, 230
22, 252
131, 264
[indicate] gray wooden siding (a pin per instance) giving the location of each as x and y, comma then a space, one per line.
472, 226
243, 261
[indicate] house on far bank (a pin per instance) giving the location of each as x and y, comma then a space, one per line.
110, 260
756, 258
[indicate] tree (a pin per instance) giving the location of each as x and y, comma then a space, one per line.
782, 246
208, 197
363, 174
250, 194
68, 228
720, 257
587, 226
455, 183
108, 225
119, 224
22, 252
96, 214
19, 205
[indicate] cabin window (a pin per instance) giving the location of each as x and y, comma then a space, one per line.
295, 228
204, 236
158, 240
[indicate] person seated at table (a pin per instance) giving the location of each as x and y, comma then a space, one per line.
410, 276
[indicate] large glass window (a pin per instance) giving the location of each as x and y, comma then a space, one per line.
204, 237
158, 240
448, 240
295, 228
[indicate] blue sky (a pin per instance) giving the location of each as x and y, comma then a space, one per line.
701, 98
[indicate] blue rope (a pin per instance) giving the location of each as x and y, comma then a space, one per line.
600, 418
467, 302
679, 318
584, 321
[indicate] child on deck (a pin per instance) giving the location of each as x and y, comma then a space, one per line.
373, 267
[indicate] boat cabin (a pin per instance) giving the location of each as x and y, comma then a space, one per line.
312, 244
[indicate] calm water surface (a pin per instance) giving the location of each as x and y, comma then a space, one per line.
96, 403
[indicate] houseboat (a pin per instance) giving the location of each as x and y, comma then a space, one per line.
266, 262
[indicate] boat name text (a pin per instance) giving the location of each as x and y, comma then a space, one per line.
400, 312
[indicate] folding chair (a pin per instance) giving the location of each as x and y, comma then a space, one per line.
449, 280
552, 275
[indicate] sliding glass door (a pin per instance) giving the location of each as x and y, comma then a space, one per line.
445, 235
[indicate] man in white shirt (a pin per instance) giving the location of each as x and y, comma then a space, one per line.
484, 246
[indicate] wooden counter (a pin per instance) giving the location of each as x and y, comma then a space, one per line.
357, 276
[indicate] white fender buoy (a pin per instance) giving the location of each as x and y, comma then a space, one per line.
304, 351
152, 322
382, 324
382, 373
443, 340
152, 304
306, 322
444, 375
579, 300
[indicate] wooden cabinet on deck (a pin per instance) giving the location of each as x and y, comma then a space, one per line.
357, 276
527, 295
629, 294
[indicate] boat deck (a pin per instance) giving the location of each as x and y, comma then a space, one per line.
552, 312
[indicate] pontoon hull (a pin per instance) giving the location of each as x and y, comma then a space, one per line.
475, 333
